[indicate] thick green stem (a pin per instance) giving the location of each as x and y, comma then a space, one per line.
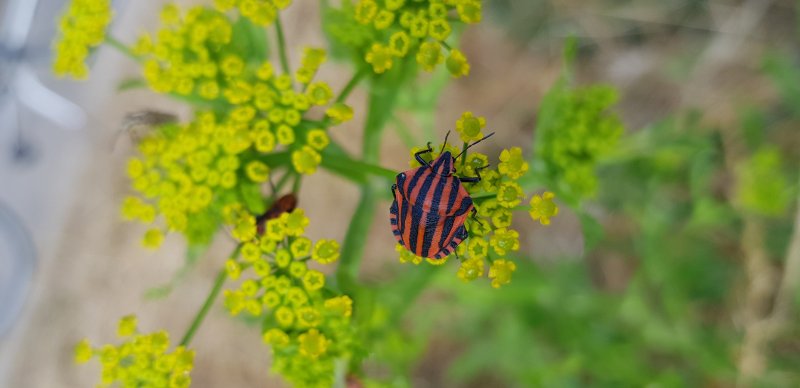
121, 47
360, 225
282, 46
355, 240
212, 296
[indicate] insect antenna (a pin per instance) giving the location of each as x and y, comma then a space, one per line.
445, 141
465, 149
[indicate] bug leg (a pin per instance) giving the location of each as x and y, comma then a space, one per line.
474, 179
475, 218
419, 154
394, 187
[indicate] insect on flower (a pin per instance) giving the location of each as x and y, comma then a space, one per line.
431, 205
140, 123
284, 204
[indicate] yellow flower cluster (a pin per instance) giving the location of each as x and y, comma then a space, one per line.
575, 130
306, 325
399, 28
261, 12
189, 54
491, 237
82, 27
142, 360
189, 172
194, 56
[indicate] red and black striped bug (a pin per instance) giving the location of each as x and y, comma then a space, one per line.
284, 204
431, 205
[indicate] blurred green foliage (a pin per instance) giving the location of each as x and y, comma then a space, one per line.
656, 298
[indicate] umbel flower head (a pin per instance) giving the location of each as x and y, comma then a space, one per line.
81, 28
491, 238
194, 55
188, 173
388, 31
575, 130
306, 325
141, 360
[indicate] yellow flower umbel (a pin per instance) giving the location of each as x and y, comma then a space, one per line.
491, 238
82, 27
306, 325
141, 360
194, 55
188, 173
388, 31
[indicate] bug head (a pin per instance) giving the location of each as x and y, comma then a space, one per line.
444, 164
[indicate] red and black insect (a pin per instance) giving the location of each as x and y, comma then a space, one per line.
284, 204
431, 205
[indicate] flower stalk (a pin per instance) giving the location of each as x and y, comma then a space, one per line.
212, 296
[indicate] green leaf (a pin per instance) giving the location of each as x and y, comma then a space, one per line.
786, 77
251, 195
250, 41
592, 232
130, 84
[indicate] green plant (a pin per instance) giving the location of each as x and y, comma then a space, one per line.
253, 122
691, 219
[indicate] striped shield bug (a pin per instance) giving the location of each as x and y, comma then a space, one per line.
431, 205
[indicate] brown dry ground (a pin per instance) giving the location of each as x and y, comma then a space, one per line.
98, 272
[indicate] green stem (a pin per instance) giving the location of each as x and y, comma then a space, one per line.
356, 238
282, 46
212, 296
298, 179
282, 182
351, 84
354, 168
121, 47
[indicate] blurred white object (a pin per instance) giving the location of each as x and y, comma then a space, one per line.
17, 257
21, 91
18, 81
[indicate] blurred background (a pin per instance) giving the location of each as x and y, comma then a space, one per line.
686, 279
